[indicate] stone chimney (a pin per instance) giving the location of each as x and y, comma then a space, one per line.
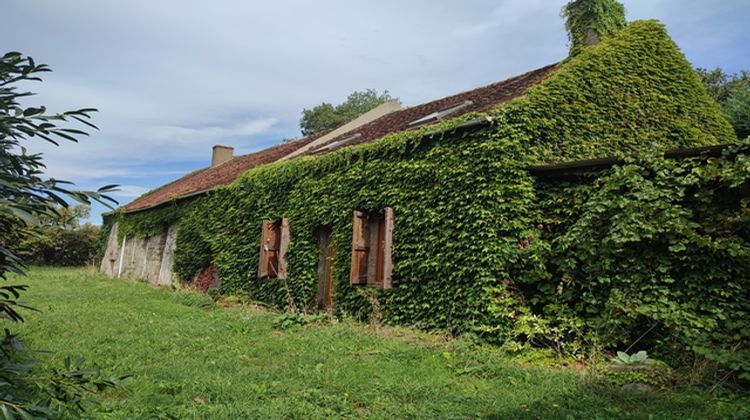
221, 155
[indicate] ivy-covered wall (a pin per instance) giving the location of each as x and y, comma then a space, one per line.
468, 216
654, 252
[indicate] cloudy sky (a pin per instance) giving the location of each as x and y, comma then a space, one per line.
171, 78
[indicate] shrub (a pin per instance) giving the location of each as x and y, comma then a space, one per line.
295, 319
60, 247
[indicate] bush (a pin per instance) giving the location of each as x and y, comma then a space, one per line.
59, 239
55, 246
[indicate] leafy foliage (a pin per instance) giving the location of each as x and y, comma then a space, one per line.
631, 92
195, 251
25, 198
59, 239
732, 92
737, 109
589, 21
26, 194
326, 116
149, 223
29, 393
654, 251
720, 85
481, 246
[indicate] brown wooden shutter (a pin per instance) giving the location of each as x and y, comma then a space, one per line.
263, 256
377, 240
284, 237
268, 262
387, 245
360, 249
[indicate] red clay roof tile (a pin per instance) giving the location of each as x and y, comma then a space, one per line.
208, 178
482, 99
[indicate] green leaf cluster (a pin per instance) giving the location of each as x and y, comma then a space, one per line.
639, 358
589, 21
31, 206
654, 250
732, 93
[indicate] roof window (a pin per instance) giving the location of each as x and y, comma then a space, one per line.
440, 114
336, 144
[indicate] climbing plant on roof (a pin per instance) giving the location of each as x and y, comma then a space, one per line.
590, 21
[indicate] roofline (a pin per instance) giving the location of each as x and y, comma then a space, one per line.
387, 107
558, 169
540, 171
467, 125
170, 201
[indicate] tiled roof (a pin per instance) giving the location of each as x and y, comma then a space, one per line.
207, 178
482, 99
477, 100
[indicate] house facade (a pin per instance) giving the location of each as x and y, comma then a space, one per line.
426, 215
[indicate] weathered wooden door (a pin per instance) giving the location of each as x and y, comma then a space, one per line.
326, 252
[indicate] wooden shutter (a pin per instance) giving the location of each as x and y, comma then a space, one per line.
268, 264
360, 249
284, 237
377, 240
387, 245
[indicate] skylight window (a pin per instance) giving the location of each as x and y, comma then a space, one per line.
336, 144
440, 114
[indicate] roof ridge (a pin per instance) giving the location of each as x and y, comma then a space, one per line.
481, 98
489, 85
543, 71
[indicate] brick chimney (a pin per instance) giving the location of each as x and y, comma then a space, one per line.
221, 154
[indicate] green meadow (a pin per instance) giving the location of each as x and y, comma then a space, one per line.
192, 359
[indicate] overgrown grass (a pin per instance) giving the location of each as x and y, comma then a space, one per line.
190, 359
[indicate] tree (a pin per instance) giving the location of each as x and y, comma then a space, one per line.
737, 109
326, 116
732, 93
26, 196
59, 239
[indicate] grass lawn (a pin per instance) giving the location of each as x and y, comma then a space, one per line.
191, 362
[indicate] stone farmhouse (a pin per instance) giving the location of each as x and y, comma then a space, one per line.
423, 215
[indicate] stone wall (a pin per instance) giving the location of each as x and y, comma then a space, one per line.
110, 258
148, 258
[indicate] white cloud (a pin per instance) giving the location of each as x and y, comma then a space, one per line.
131, 191
186, 134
